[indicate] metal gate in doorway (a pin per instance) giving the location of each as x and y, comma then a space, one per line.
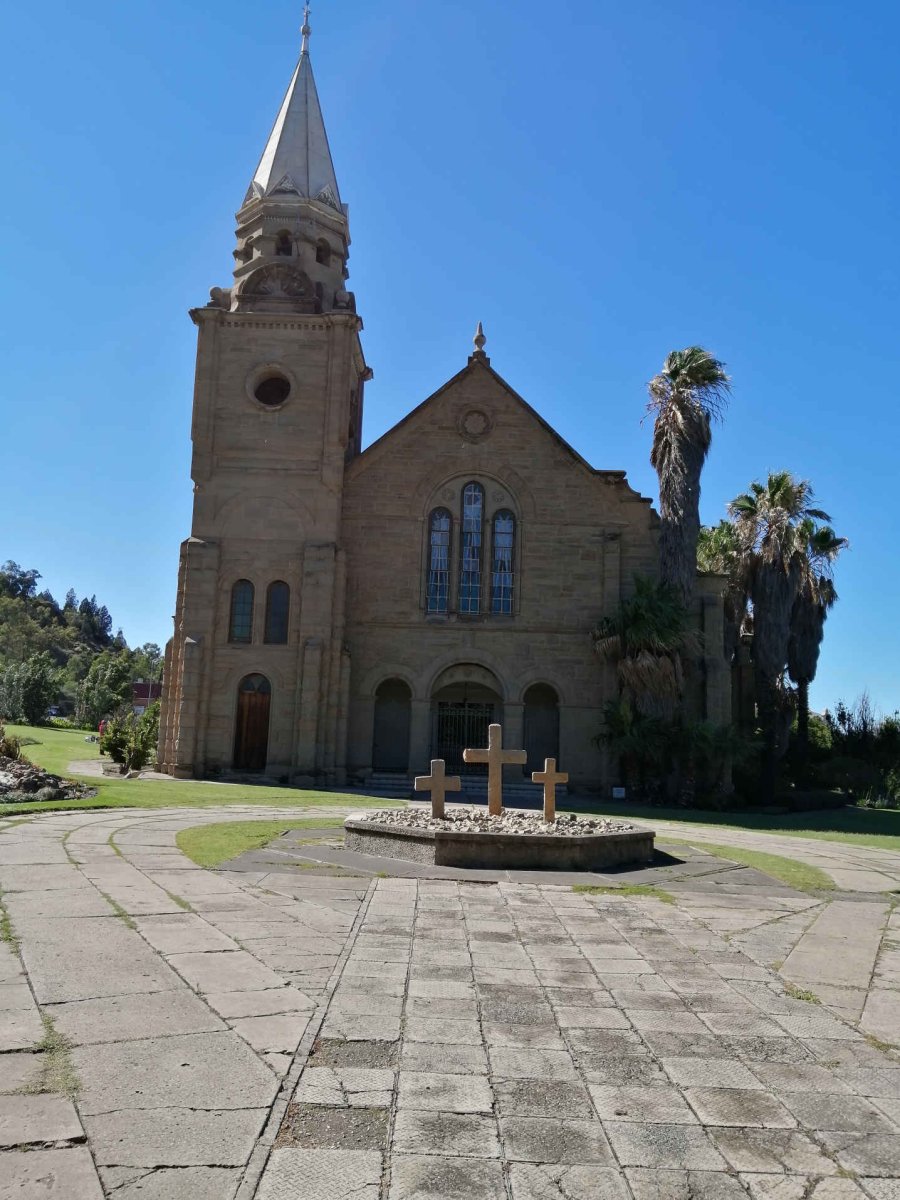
458, 726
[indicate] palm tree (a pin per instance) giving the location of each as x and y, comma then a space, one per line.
772, 522
686, 396
815, 598
719, 553
646, 637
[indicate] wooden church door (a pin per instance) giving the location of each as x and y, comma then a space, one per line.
251, 732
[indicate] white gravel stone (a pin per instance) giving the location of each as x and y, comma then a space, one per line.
479, 820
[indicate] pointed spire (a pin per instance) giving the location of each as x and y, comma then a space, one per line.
479, 339
297, 158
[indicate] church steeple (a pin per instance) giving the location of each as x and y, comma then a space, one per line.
297, 158
293, 234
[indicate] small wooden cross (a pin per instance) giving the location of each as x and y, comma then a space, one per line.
439, 785
549, 777
495, 757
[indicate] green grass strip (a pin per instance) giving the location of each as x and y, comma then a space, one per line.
795, 874
627, 889
213, 844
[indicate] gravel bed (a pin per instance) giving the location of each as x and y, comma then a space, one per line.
512, 820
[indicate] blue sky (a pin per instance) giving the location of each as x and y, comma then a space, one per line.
597, 182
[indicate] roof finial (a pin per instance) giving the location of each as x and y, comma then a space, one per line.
305, 31
479, 339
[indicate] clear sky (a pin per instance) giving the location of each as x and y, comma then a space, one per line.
598, 182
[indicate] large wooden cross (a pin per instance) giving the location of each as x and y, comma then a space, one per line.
495, 757
549, 777
439, 785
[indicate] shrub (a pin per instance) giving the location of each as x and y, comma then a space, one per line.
131, 740
847, 774
10, 747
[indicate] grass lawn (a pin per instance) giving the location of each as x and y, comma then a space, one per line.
54, 749
211, 845
795, 874
856, 826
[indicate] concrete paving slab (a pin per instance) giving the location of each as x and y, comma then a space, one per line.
322, 1175
225, 971
190, 1183
20, 1029
174, 1137
429, 1177
86, 957
686, 1147
50, 1175
35, 1120
279, 1033
182, 934
651, 1184
133, 1017
202, 1071
443, 1133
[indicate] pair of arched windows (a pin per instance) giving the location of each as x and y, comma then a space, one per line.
278, 609
475, 594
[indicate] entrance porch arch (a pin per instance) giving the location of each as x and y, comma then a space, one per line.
465, 699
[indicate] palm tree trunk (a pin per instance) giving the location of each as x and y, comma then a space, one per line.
802, 721
767, 710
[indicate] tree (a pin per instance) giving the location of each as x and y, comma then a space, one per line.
105, 688
646, 638
815, 598
687, 395
17, 582
719, 553
148, 662
772, 525
28, 689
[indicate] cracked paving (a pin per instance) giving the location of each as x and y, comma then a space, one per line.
262, 1032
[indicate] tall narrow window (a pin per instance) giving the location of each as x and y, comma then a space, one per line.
470, 549
502, 563
278, 607
240, 627
284, 245
438, 592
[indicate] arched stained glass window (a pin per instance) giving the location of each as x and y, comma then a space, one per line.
471, 548
438, 590
278, 607
240, 626
502, 550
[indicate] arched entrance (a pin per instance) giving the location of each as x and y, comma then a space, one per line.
464, 701
541, 725
390, 737
251, 726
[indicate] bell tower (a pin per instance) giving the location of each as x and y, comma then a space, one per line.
256, 666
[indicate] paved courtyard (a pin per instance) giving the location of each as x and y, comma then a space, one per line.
304, 1026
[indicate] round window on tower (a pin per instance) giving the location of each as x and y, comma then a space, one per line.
273, 391
270, 385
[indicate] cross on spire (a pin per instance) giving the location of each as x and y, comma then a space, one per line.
549, 777
495, 757
438, 784
305, 31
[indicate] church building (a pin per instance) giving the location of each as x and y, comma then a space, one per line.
345, 614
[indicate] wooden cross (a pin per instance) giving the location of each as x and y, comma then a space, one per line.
549, 777
495, 757
439, 785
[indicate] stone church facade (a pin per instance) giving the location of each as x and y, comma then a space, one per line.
343, 613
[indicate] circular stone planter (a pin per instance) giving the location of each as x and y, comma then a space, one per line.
503, 851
